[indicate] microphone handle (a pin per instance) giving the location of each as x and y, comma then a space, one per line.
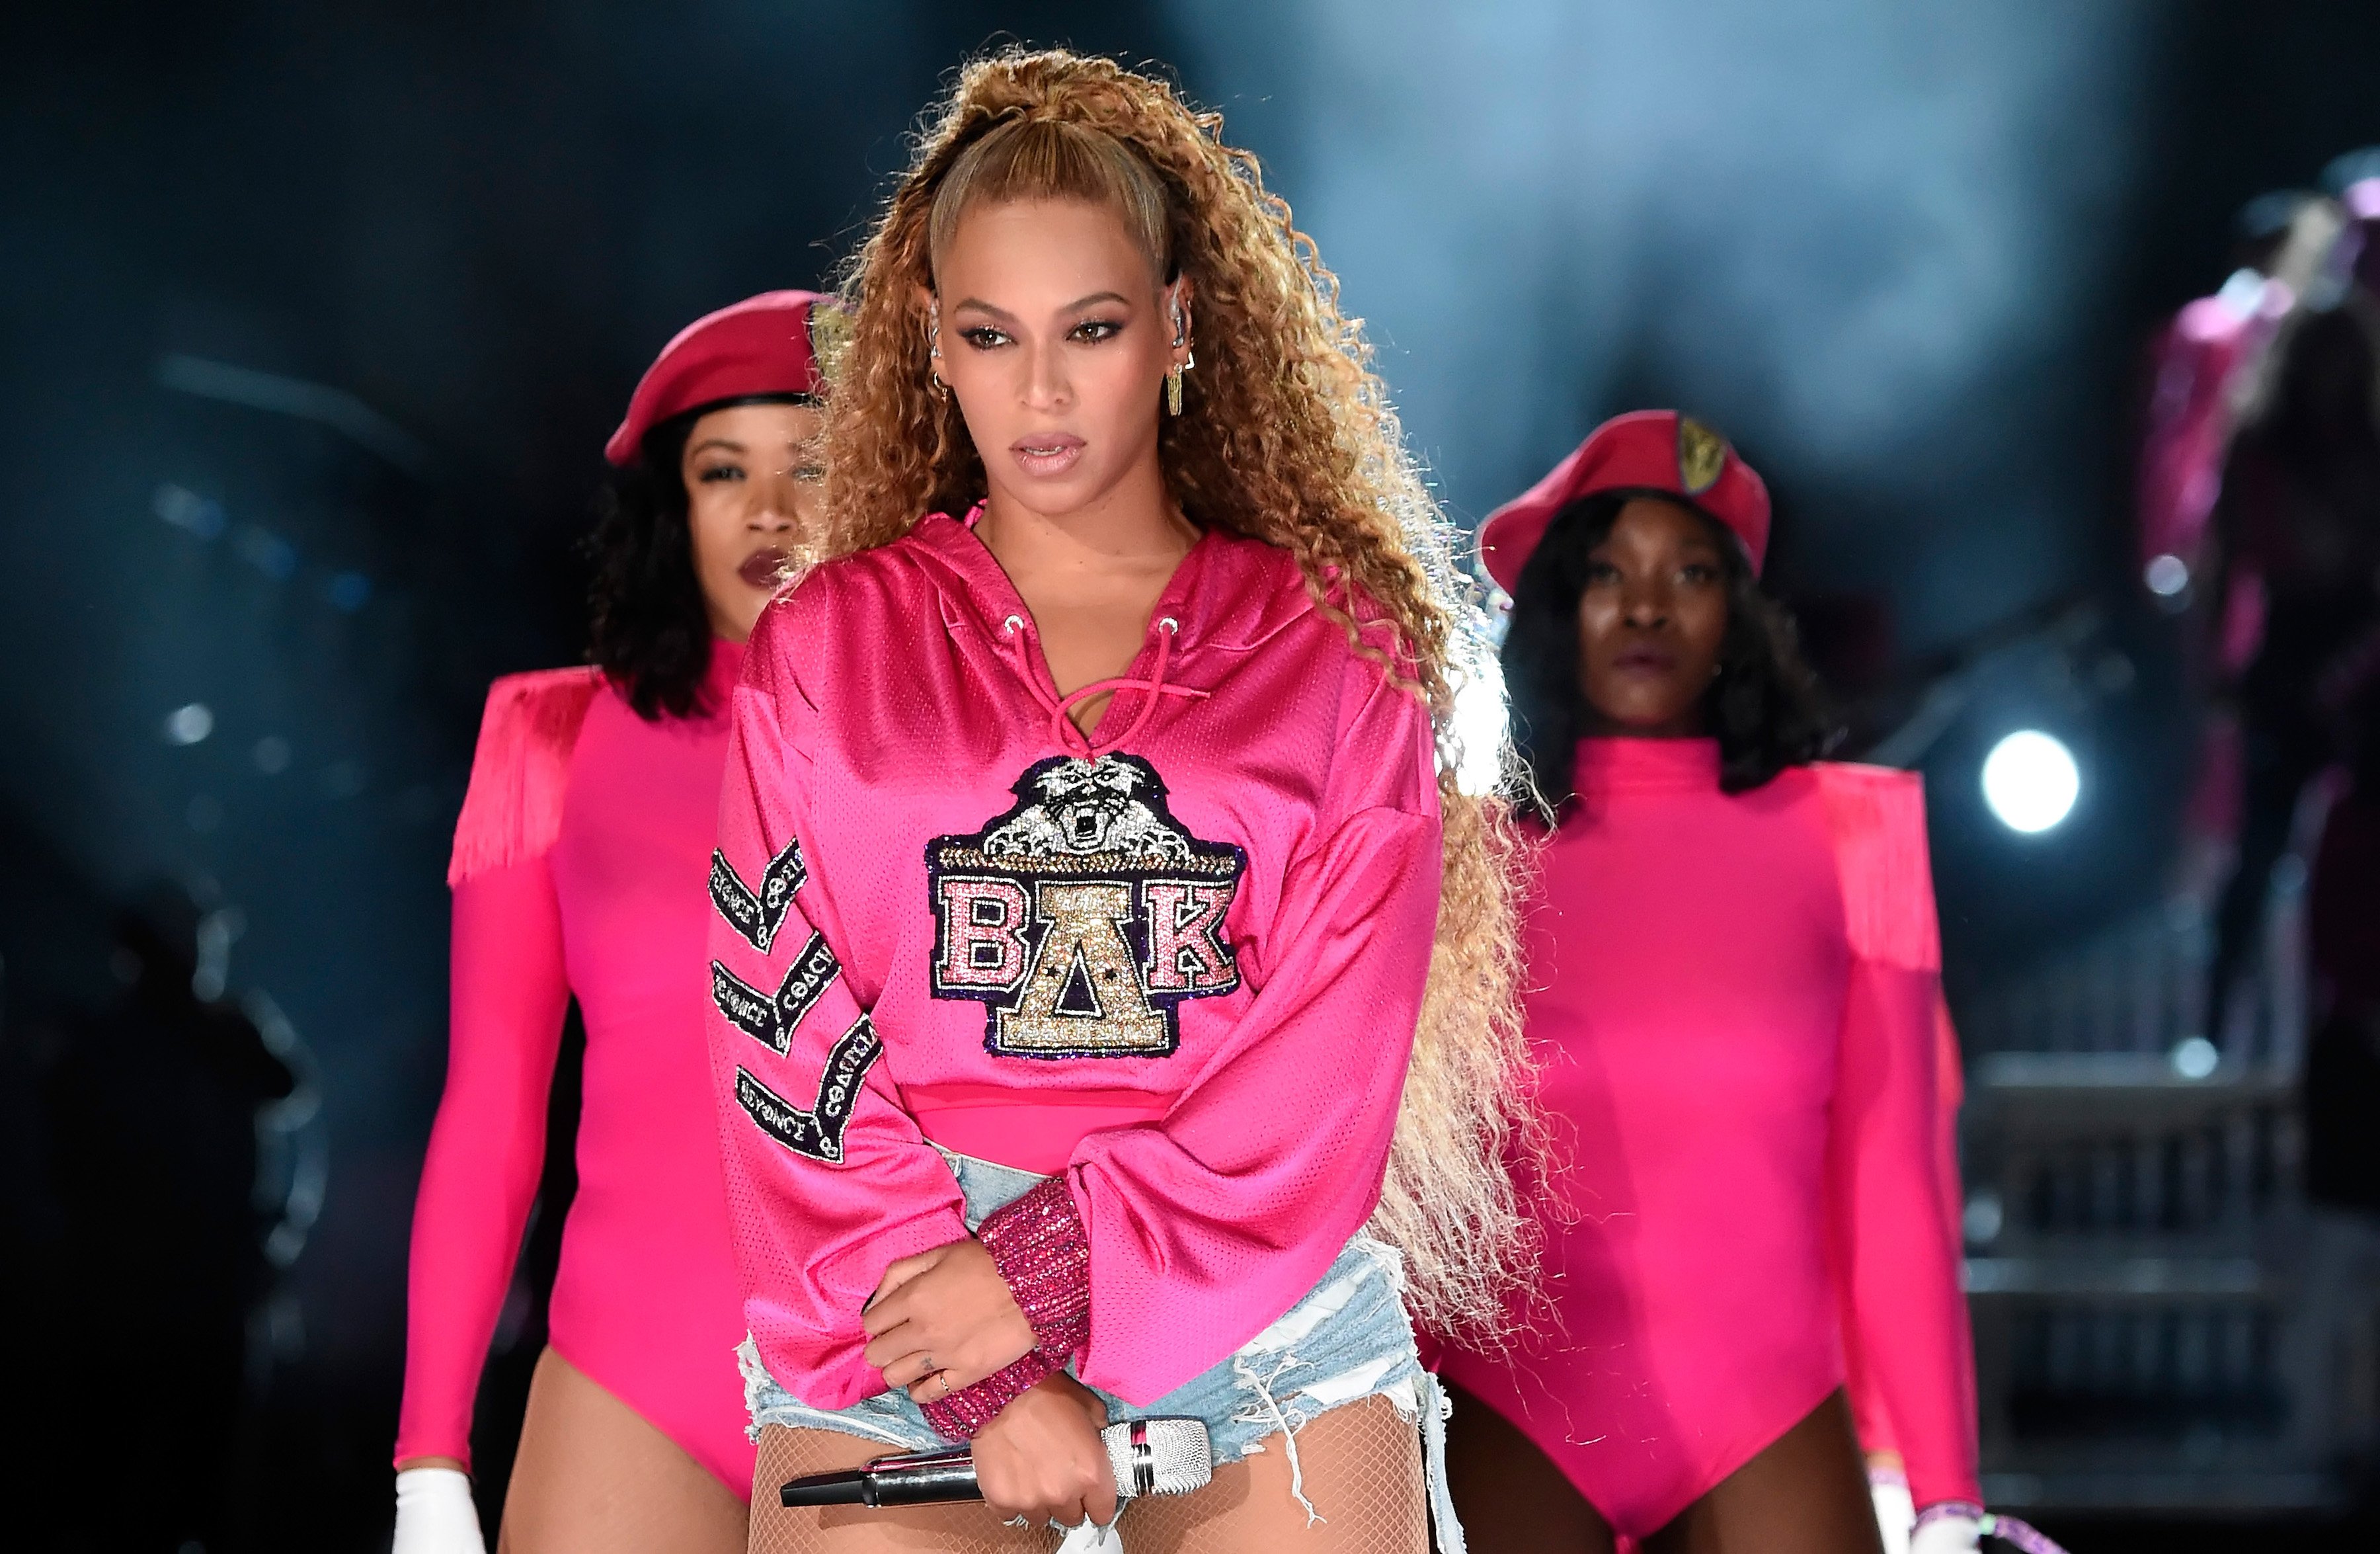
927, 1478
947, 1475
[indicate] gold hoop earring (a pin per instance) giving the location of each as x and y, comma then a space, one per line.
1173, 384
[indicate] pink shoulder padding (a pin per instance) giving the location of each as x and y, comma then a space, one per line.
1876, 817
512, 808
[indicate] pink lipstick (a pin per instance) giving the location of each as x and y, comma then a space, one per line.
1046, 454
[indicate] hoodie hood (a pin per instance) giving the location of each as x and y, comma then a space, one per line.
1228, 595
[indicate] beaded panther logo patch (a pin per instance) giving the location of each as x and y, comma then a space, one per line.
1083, 916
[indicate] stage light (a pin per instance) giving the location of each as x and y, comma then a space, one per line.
2166, 575
1983, 1219
2195, 1057
2030, 781
188, 725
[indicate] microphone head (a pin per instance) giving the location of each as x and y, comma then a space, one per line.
1160, 1456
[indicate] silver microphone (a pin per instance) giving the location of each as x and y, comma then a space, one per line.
1161, 1456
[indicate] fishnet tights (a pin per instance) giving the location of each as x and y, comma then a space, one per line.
1361, 1466
858, 1529
593, 1477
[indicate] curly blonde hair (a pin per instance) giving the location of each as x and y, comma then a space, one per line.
1287, 437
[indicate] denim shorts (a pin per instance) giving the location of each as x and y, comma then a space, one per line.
1348, 1339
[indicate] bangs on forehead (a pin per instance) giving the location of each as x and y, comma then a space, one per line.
1045, 159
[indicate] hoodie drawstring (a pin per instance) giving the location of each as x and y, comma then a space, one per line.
1062, 727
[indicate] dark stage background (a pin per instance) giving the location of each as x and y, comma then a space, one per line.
314, 317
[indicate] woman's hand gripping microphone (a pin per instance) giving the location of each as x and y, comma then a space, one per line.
1041, 1457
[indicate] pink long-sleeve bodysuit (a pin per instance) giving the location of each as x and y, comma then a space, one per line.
1177, 965
1735, 1000
578, 870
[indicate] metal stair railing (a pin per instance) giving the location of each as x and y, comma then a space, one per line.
2163, 1325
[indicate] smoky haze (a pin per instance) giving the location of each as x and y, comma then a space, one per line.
1860, 236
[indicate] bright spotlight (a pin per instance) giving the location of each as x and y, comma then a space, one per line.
2195, 1057
2030, 781
2167, 576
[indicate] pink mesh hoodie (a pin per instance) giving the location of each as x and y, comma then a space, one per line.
1175, 964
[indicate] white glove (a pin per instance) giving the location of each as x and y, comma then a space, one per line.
1947, 1535
1894, 1511
434, 1513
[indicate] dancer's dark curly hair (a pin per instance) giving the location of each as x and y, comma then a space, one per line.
648, 629
1764, 707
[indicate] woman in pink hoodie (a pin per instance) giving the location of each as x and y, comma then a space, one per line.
578, 872
1092, 897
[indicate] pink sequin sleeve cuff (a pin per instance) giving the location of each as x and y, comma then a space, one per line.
1039, 1244
958, 1416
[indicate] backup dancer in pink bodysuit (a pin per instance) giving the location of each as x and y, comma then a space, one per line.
1734, 993
578, 871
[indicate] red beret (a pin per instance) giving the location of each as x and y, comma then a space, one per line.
758, 346
1652, 451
